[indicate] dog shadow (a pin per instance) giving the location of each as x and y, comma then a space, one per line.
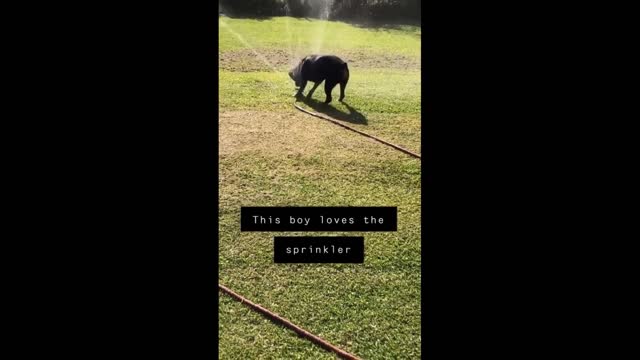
353, 116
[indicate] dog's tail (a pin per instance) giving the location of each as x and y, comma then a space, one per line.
345, 73
345, 80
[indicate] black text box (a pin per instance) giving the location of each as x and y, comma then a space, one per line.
361, 219
321, 249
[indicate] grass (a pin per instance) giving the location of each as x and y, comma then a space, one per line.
285, 32
391, 112
273, 155
257, 338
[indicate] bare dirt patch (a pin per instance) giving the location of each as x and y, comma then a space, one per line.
246, 60
292, 134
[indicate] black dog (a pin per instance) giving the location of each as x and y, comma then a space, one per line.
317, 68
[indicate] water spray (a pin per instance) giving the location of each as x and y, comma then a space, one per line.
248, 46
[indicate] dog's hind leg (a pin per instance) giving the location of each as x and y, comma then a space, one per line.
344, 81
343, 86
328, 87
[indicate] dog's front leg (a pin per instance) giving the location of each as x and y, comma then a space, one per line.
310, 94
301, 89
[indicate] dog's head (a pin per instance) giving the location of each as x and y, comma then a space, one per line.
294, 77
296, 73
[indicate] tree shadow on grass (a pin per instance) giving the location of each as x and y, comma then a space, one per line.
353, 116
247, 17
259, 17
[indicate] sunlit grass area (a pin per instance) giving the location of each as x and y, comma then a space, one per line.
287, 32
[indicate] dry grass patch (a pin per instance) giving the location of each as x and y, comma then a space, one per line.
246, 60
291, 134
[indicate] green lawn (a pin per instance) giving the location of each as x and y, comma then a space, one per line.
273, 155
284, 32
